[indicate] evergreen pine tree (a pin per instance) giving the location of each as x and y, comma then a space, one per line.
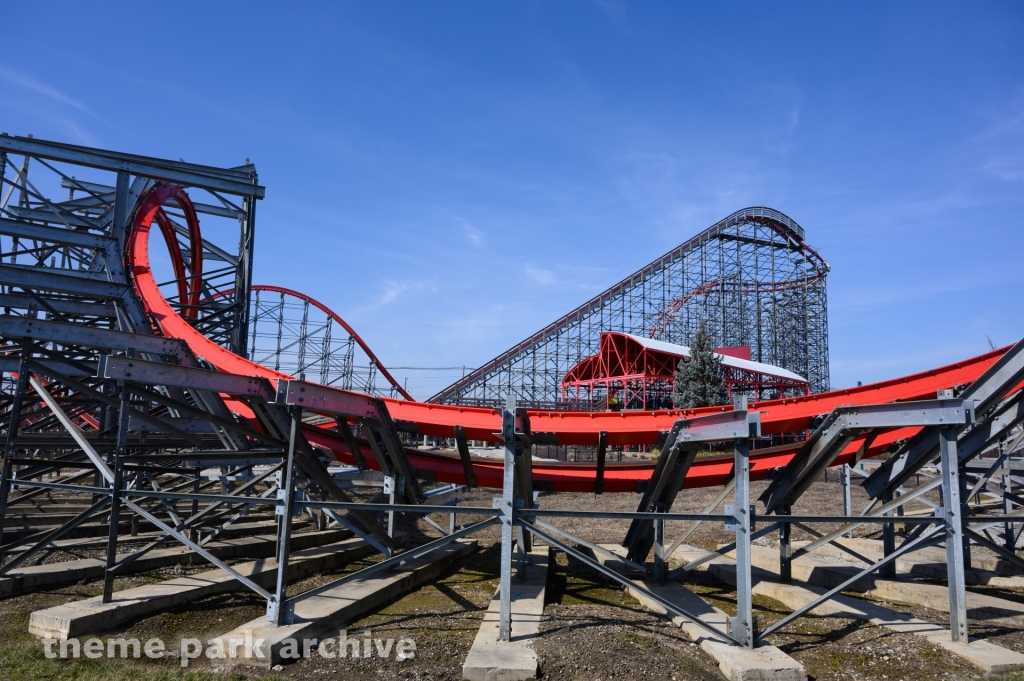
700, 382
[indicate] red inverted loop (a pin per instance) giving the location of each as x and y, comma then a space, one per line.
189, 286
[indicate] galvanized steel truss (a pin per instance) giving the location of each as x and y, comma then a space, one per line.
102, 188
751, 278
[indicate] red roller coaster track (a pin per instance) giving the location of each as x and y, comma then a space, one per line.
570, 428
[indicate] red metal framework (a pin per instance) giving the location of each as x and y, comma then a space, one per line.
640, 373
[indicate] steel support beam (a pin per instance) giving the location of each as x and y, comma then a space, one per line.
506, 503
230, 181
742, 626
956, 580
467, 462
276, 610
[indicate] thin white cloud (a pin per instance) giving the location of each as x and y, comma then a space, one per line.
541, 276
392, 289
474, 235
395, 289
40, 88
1005, 168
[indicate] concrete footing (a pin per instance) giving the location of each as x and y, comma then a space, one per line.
764, 663
987, 657
930, 562
981, 558
52, 575
92, 615
492, 660
933, 596
319, 617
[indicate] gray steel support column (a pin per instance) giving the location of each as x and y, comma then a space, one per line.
12, 431
464, 456
19, 397
507, 505
845, 476
954, 535
243, 275
5, 488
119, 226
391, 489
965, 512
1009, 538
888, 539
123, 420
659, 570
742, 625
785, 548
193, 533
277, 612
115, 516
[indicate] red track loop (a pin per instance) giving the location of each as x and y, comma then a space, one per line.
189, 288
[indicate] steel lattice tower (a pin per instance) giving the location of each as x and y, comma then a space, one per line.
751, 278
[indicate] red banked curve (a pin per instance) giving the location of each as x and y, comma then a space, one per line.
571, 428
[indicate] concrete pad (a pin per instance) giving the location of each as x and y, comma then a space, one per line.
929, 562
988, 657
933, 596
981, 558
764, 663
52, 575
230, 532
492, 660
92, 615
500, 661
320, 616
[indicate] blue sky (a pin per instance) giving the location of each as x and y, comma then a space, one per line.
450, 177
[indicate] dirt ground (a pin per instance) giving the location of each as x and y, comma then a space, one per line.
592, 628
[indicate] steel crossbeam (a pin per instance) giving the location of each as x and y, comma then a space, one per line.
986, 392
141, 371
677, 456
75, 334
841, 427
189, 174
